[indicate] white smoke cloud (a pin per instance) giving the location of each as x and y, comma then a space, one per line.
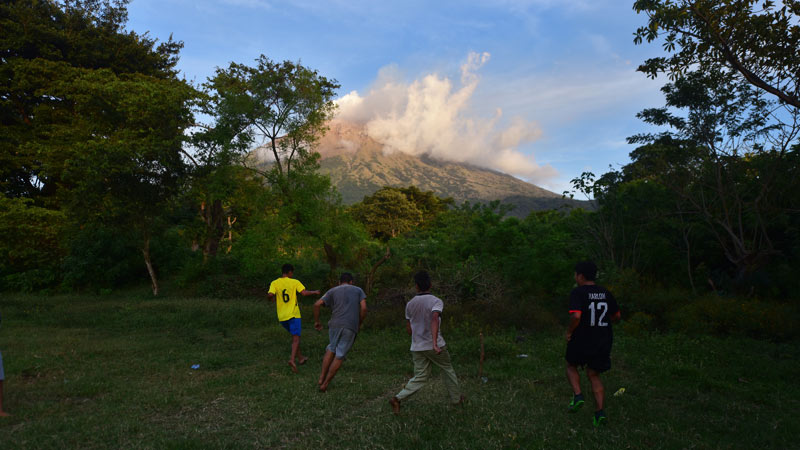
432, 116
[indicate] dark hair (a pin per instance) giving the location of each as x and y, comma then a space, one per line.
346, 277
423, 280
588, 269
287, 268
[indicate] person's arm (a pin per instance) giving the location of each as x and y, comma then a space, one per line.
362, 313
307, 293
271, 297
408, 326
317, 305
435, 332
574, 321
616, 316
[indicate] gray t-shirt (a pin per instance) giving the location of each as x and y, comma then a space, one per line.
419, 311
345, 304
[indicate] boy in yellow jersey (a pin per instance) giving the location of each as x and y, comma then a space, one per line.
284, 292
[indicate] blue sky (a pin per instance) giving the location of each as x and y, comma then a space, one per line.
553, 81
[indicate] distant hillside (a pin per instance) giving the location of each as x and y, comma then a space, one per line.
358, 167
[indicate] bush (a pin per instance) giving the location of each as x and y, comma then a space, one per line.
30, 248
639, 324
736, 316
102, 258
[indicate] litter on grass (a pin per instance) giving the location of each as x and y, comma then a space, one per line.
195, 366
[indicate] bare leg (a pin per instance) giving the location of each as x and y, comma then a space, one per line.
301, 359
2, 413
295, 351
326, 363
597, 387
574, 378
331, 373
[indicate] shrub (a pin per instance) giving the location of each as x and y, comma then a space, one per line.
30, 249
736, 316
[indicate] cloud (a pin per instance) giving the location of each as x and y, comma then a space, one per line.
433, 116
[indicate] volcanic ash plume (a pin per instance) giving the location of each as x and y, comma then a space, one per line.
432, 116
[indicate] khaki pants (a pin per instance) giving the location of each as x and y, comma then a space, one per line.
422, 374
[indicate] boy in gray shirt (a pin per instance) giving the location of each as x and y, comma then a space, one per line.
348, 306
423, 315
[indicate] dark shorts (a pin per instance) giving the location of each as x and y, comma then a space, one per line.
341, 339
293, 326
597, 358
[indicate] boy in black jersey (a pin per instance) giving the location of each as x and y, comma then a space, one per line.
592, 309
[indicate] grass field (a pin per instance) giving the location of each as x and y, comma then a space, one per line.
115, 372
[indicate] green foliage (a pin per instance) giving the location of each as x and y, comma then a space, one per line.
387, 213
755, 39
285, 103
101, 258
46, 47
713, 314
505, 265
30, 250
93, 116
701, 205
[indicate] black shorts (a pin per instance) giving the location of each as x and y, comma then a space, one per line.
597, 358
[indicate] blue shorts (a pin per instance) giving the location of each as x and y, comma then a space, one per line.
341, 339
293, 326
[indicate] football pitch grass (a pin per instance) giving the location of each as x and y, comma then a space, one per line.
116, 371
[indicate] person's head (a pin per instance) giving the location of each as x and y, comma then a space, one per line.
287, 269
422, 280
346, 278
585, 271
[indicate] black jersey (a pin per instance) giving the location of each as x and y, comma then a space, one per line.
597, 307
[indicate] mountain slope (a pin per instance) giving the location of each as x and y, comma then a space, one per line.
358, 166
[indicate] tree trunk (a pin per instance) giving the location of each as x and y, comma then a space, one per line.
330, 255
149, 264
212, 216
371, 276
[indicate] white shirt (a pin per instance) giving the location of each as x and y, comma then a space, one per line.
419, 312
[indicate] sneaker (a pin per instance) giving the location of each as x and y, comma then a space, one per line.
576, 403
600, 418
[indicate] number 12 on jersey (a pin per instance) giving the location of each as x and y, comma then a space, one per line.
602, 308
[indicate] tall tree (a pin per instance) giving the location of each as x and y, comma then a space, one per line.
93, 115
41, 42
282, 106
387, 213
756, 39
725, 158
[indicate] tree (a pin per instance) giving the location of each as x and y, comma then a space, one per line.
30, 251
387, 213
42, 42
284, 105
756, 39
724, 158
92, 115
125, 168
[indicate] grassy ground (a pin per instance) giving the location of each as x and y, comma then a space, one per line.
111, 372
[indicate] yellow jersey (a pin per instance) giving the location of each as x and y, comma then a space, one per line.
285, 290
